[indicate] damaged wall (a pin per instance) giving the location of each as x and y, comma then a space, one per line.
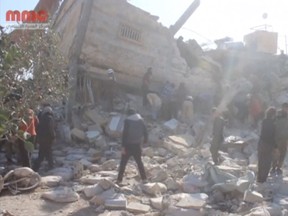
122, 37
129, 40
66, 24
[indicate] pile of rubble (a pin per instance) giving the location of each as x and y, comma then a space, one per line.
182, 179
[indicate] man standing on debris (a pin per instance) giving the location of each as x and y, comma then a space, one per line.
146, 85
110, 89
134, 134
45, 137
187, 110
266, 145
281, 138
217, 135
155, 104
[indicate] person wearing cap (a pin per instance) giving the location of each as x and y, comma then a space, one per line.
134, 134
187, 110
45, 138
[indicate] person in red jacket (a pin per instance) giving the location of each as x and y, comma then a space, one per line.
27, 126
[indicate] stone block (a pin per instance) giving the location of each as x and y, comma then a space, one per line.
118, 202
92, 190
157, 203
253, 197
195, 201
79, 134
137, 208
51, 181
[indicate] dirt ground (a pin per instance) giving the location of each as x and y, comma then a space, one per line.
31, 204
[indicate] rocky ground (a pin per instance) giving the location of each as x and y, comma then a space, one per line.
182, 178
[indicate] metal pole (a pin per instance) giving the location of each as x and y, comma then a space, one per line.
185, 16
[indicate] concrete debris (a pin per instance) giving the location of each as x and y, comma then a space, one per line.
192, 183
65, 172
171, 184
5, 213
172, 125
61, 195
51, 181
154, 189
283, 186
173, 211
137, 208
158, 174
101, 198
195, 201
109, 165
117, 202
91, 191
78, 134
253, 196
92, 136
157, 203
115, 126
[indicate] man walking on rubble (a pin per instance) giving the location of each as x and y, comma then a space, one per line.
281, 138
134, 134
217, 135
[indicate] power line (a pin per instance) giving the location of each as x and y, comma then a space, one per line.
202, 36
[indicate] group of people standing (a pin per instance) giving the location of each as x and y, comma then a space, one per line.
36, 130
170, 102
272, 144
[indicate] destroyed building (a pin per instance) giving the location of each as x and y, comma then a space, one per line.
125, 38
114, 34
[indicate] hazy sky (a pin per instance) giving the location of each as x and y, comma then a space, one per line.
213, 19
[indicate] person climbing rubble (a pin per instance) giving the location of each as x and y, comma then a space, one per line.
146, 81
217, 135
281, 138
134, 134
110, 89
155, 104
187, 110
266, 144
169, 106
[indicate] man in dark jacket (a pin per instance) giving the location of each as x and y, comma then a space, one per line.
134, 134
45, 137
266, 145
217, 135
281, 138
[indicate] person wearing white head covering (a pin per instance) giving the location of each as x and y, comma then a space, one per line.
110, 89
187, 110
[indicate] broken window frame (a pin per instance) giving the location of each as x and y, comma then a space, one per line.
130, 33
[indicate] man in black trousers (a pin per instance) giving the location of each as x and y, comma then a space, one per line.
45, 137
134, 134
